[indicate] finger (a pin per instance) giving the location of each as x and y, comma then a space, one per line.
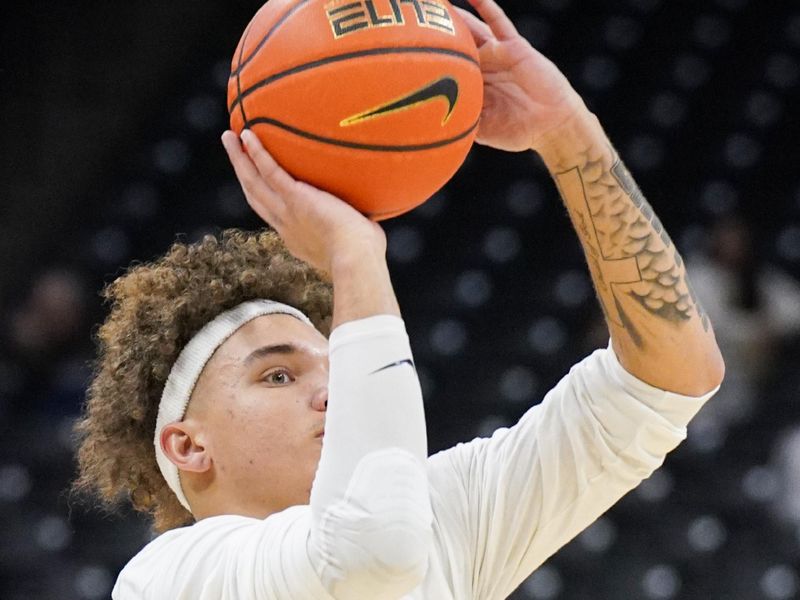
278, 179
480, 31
244, 167
261, 198
495, 18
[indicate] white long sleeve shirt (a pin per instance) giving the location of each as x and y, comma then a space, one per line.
471, 522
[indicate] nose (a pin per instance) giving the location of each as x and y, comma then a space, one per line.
319, 401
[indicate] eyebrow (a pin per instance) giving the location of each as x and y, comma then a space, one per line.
263, 351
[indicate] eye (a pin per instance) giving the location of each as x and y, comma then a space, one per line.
277, 377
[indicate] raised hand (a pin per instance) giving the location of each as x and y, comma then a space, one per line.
316, 226
525, 95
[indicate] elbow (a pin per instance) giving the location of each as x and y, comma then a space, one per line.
399, 559
713, 372
395, 533
393, 564
378, 559
705, 377
718, 372
407, 563
379, 537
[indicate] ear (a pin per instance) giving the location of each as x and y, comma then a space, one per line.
183, 446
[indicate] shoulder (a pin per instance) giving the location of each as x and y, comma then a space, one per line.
175, 559
202, 536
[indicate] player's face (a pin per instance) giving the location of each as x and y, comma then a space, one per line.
261, 403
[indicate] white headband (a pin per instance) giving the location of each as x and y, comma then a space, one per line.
190, 363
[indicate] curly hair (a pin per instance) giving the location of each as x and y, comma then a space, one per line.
156, 308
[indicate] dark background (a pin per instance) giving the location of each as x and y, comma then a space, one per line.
111, 115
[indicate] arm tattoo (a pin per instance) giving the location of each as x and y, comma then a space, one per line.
628, 250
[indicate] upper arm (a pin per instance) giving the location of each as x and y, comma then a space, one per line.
227, 558
523, 493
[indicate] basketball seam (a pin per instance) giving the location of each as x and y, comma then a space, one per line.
238, 80
243, 63
347, 56
359, 145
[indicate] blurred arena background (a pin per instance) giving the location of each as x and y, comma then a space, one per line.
112, 113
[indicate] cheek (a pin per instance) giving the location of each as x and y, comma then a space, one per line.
266, 428
260, 435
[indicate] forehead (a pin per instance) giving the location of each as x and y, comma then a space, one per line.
273, 329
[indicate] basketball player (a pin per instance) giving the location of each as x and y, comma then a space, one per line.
284, 464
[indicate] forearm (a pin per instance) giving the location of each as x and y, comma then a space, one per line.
371, 477
361, 284
659, 330
534, 486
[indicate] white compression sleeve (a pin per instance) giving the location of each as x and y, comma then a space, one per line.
370, 505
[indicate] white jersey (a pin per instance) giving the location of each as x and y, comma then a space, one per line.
486, 515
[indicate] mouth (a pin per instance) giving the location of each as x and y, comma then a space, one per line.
320, 435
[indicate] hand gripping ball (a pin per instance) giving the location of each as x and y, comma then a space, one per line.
375, 101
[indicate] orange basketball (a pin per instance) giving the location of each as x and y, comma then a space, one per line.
375, 101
